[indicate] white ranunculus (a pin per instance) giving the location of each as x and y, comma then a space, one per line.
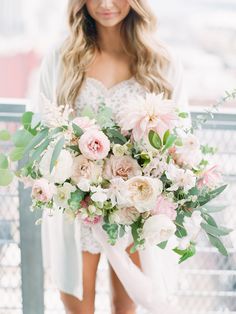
62, 169
158, 228
143, 192
63, 194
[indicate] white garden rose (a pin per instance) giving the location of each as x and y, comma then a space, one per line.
158, 228
62, 169
143, 192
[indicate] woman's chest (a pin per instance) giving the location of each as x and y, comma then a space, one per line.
93, 92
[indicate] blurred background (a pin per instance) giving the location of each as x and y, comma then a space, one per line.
203, 33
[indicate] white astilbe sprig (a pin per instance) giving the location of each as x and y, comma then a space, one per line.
53, 115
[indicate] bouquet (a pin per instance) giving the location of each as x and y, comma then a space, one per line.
141, 171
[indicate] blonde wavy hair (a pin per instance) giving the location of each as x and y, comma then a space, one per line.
149, 58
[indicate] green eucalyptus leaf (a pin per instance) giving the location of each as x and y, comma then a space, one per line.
209, 219
216, 231
214, 208
104, 117
5, 135
6, 177
183, 115
3, 161
77, 130
36, 120
75, 199
88, 112
216, 242
154, 139
36, 153
17, 153
162, 245
36, 140
169, 141
165, 137
56, 152
203, 199
26, 119
22, 138
116, 136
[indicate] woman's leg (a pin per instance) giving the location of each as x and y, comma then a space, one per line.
121, 302
72, 304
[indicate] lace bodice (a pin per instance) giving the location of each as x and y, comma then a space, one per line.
94, 91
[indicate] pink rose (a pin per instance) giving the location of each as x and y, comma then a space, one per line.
166, 207
94, 145
81, 168
85, 123
210, 177
43, 190
124, 167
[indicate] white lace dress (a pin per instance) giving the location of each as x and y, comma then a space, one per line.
64, 239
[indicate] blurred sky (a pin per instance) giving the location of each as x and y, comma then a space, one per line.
202, 32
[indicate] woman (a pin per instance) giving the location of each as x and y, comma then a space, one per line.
110, 53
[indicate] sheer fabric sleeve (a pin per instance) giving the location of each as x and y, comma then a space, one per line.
47, 80
175, 76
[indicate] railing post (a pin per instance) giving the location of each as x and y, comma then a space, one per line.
31, 257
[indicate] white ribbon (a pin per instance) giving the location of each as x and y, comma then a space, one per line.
150, 287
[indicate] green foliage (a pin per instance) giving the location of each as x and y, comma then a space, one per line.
5, 135
162, 245
187, 253
3, 161
115, 136
216, 242
183, 115
75, 199
207, 197
17, 153
6, 177
169, 141
206, 149
36, 140
56, 152
104, 117
77, 130
154, 139
88, 112
112, 230
22, 138
215, 231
